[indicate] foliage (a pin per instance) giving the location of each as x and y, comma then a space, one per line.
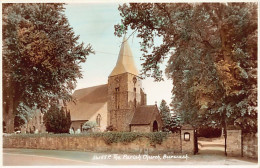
209, 132
89, 125
212, 50
18, 122
41, 56
110, 128
126, 137
108, 137
57, 120
170, 123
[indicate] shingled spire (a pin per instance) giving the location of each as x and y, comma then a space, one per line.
125, 61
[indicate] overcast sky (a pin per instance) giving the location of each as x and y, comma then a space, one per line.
95, 25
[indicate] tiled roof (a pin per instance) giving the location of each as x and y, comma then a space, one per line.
145, 114
89, 101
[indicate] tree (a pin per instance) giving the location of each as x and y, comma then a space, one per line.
18, 122
212, 50
41, 57
57, 120
166, 116
170, 121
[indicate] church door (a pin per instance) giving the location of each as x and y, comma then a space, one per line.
155, 126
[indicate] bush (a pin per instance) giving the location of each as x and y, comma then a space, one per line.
89, 126
110, 128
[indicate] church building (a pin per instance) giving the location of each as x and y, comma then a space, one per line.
121, 103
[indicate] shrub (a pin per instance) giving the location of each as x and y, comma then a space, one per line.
89, 126
110, 128
108, 137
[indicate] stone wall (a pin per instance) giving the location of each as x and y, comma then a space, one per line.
187, 144
234, 142
250, 147
139, 146
121, 100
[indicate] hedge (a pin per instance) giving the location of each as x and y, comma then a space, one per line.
108, 137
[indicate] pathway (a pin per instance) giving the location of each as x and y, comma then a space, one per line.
28, 157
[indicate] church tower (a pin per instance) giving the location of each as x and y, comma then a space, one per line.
124, 90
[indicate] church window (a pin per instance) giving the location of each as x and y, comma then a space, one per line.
134, 89
134, 80
98, 120
81, 127
4, 127
117, 97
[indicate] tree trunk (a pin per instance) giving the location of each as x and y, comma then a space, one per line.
10, 107
8, 116
225, 136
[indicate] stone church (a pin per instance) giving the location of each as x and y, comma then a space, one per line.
121, 103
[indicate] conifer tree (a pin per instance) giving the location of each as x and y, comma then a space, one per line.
57, 120
166, 116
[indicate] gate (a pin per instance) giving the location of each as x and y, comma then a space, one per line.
196, 148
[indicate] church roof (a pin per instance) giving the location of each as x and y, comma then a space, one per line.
144, 115
89, 101
125, 61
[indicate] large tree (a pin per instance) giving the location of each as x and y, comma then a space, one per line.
212, 50
41, 57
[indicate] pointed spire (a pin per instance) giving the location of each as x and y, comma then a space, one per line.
125, 61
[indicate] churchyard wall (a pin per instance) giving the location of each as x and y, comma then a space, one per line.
234, 142
250, 147
143, 145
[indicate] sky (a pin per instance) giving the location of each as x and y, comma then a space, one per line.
94, 23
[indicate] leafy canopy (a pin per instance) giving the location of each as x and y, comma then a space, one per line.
212, 50
41, 55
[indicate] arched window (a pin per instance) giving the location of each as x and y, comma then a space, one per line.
4, 127
98, 120
81, 127
155, 126
117, 98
